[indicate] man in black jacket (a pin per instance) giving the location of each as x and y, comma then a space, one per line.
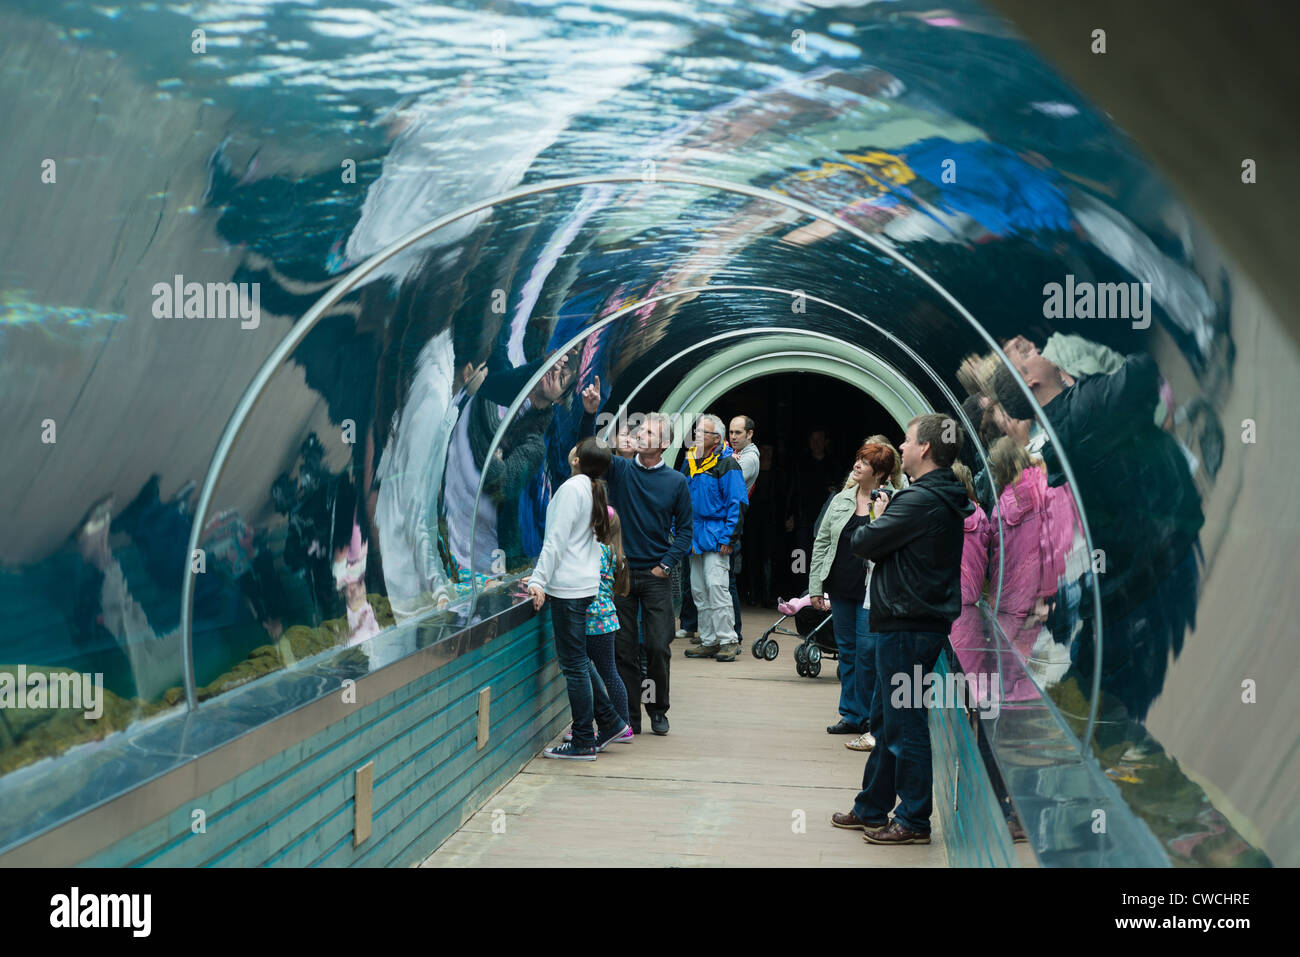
915, 596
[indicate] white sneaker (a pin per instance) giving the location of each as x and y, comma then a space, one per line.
863, 742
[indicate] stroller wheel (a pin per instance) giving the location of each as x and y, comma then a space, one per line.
770, 650
814, 668
814, 656
800, 654
799, 668
756, 649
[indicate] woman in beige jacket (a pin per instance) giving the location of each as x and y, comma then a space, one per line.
837, 582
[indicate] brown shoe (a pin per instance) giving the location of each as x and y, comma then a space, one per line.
895, 833
703, 651
852, 822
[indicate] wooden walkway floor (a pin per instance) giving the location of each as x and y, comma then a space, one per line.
746, 763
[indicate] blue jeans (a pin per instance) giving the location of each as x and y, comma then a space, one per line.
866, 675
852, 632
588, 699
900, 763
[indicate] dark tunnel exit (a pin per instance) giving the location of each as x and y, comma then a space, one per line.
787, 410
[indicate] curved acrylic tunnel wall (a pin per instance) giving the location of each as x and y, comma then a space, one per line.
498, 454
392, 462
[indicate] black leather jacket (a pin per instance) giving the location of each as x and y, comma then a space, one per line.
916, 545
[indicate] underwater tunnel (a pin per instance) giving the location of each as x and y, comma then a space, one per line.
294, 346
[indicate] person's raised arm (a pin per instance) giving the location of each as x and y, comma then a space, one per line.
591, 399
1131, 393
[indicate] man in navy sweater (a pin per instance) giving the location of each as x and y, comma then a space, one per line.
654, 504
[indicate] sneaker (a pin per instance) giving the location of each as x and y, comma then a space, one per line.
704, 651
697, 640
568, 752
686, 633
617, 736
727, 651
864, 742
658, 722
627, 737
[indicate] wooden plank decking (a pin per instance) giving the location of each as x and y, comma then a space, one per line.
747, 758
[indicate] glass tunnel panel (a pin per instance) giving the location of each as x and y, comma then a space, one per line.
385, 484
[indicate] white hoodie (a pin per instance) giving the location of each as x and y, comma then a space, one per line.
569, 565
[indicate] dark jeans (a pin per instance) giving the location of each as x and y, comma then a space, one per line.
588, 700
900, 763
857, 646
652, 598
690, 615
735, 593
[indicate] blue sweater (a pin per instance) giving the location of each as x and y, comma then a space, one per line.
652, 505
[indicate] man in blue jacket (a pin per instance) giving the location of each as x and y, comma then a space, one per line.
718, 500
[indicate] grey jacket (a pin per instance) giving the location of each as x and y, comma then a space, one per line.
749, 464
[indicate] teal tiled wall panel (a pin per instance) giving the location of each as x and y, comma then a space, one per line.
974, 830
296, 809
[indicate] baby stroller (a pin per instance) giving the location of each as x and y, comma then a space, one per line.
818, 641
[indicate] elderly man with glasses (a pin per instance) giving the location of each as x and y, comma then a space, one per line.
718, 501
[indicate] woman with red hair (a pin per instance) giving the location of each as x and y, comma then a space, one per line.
837, 581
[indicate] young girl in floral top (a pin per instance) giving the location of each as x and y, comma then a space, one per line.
602, 617
602, 621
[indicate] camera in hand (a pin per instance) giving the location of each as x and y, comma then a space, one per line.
878, 493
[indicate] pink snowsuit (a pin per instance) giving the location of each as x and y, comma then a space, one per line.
968, 636
1033, 561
